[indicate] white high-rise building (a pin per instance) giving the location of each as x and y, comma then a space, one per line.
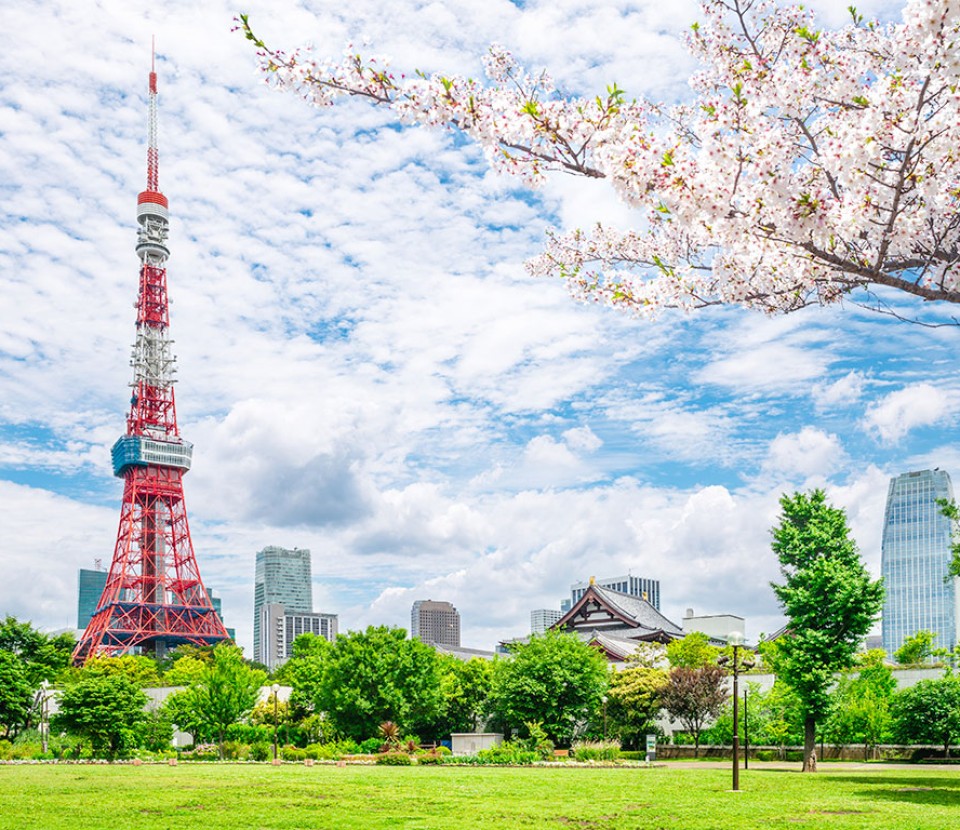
635, 586
542, 618
280, 627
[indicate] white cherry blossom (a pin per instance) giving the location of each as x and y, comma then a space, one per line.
808, 164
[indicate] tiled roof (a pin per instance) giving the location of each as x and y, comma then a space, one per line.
638, 610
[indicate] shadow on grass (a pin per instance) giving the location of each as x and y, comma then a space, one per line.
940, 796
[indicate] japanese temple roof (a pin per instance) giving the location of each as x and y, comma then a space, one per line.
628, 617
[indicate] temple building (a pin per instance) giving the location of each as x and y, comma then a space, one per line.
616, 622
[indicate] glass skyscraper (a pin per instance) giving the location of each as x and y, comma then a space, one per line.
90, 584
915, 558
282, 577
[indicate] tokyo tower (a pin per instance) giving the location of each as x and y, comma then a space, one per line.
153, 599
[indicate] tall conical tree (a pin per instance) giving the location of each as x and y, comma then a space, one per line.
828, 598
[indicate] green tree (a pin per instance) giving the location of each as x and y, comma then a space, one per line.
368, 677
694, 697
928, 712
155, 731
43, 656
692, 651
16, 694
139, 669
224, 693
861, 703
828, 598
767, 718
465, 689
633, 701
948, 507
915, 649
104, 710
186, 671
555, 679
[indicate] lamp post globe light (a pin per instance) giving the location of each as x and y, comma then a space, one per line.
736, 665
276, 688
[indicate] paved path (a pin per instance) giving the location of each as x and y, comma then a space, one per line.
796, 766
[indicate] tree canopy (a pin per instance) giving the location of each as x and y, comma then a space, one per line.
828, 598
928, 711
695, 696
692, 651
368, 677
807, 163
556, 680
104, 709
225, 691
633, 703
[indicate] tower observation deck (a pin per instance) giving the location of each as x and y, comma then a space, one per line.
154, 598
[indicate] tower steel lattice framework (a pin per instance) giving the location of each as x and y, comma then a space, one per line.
154, 598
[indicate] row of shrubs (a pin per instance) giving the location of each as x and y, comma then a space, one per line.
506, 753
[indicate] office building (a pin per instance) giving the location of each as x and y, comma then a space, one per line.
634, 586
279, 627
90, 585
916, 553
715, 626
217, 604
282, 577
542, 618
435, 622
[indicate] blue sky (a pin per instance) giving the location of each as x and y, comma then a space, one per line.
365, 368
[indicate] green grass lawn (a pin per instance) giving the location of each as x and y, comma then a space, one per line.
296, 797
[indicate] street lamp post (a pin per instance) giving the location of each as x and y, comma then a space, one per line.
276, 688
746, 734
44, 687
737, 665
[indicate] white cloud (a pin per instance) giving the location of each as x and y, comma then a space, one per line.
810, 454
917, 405
843, 392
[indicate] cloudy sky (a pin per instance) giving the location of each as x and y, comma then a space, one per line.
365, 369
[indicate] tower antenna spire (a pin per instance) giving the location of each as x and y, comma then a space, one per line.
153, 155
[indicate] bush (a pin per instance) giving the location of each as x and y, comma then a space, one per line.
432, 756
260, 751
248, 733
537, 741
596, 750
292, 753
369, 746
508, 753
394, 759
236, 751
202, 752
332, 750
6, 750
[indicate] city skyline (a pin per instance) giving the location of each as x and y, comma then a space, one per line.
365, 368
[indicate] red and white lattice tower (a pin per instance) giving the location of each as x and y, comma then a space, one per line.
153, 599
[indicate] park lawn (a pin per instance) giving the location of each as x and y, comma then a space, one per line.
296, 797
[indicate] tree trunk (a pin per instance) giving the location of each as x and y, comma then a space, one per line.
809, 744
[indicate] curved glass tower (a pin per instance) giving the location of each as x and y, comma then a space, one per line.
916, 554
